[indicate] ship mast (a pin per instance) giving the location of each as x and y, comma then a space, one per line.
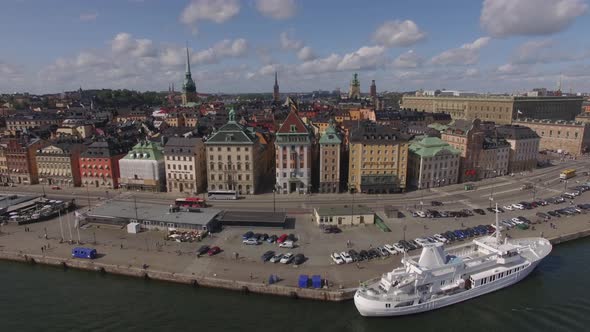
497, 226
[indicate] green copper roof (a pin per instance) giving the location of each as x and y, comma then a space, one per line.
331, 136
431, 146
146, 151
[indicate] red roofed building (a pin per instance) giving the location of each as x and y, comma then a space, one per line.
295, 151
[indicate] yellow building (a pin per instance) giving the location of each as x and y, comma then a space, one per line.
378, 159
500, 109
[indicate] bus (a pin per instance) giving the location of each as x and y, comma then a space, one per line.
223, 194
567, 174
190, 202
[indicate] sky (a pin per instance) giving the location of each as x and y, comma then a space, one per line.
236, 46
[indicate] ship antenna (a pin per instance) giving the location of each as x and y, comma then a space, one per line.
497, 226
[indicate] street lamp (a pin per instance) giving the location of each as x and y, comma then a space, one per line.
274, 203
43, 186
404, 228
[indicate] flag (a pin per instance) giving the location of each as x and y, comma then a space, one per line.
518, 112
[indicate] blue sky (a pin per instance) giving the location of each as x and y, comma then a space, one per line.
481, 45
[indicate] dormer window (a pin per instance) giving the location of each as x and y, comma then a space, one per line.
293, 128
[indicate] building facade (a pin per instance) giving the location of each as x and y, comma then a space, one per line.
234, 158
186, 165
21, 159
30, 121
433, 163
467, 137
294, 150
524, 147
500, 109
493, 158
4, 176
59, 164
330, 159
378, 159
143, 168
561, 136
99, 164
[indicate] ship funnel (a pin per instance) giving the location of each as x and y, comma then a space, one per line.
432, 256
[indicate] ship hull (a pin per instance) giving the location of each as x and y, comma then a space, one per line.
376, 308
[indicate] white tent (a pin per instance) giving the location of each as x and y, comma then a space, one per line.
133, 228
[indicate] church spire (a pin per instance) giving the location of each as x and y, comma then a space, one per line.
188, 61
275, 92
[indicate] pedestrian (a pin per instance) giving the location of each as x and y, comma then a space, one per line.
42, 249
251, 276
121, 245
358, 266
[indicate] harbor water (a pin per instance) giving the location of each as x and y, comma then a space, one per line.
555, 297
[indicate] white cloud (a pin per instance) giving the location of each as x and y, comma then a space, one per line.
277, 9
467, 54
124, 43
321, 65
217, 11
306, 54
398, 33
408, 59
223, 49
544, 51
366, 57
502, 18
289, 43
88, 17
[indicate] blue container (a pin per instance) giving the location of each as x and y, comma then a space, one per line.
316, 281
303, 280
87, 253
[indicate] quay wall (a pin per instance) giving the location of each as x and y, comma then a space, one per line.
202, 281
194, 281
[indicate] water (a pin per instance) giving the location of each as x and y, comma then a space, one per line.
36, 298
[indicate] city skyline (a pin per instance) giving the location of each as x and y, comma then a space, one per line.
237, 46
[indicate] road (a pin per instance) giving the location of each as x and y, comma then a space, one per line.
499, 190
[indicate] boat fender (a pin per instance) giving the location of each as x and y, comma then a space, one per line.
245, 289
194, 283
293, 295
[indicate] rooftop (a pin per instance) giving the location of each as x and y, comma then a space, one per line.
152, 212
343, 210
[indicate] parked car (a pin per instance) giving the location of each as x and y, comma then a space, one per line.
291, 237
364, 255
440, 238
56, 187
332, 229
508, 207
287, 244
355, 255
421, 241
391, 249
267, 255
251, 241
276, 258
346, 257
263, 237
480, 211
202, 250
518, 206
272, 239
214, 251
299, 259
421, 214
436, 203
337, 258
287, 258
247, 235
373, 253
398, 247
553, 214
543, 215
383, 252
282, 238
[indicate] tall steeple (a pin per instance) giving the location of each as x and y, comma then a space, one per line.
189, 89
275, 93
188, 62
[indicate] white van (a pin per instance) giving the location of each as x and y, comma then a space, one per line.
287, 244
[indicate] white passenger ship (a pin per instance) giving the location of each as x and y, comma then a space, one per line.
443, 277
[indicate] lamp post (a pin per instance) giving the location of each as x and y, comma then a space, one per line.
88, 196
404, 228
274, 203
43, 186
